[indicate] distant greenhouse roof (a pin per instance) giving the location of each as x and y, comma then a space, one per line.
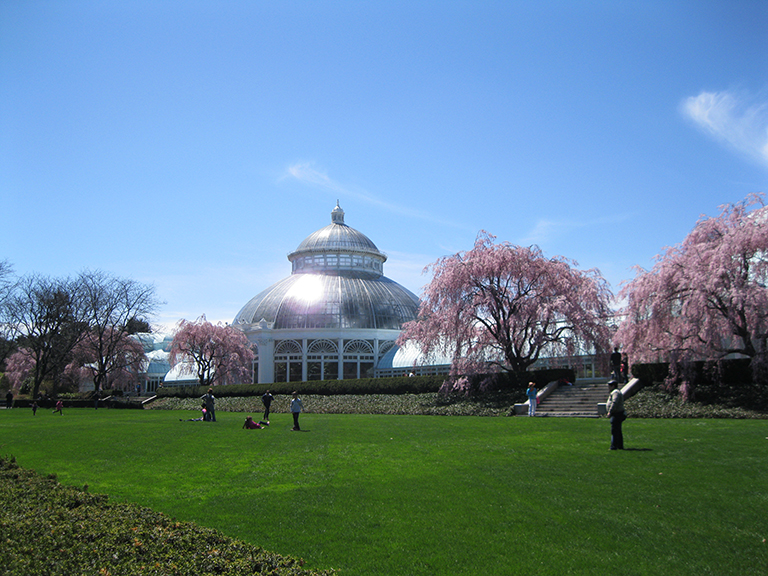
337, 282
410, 356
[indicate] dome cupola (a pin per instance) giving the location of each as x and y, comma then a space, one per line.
337, 249
337, 281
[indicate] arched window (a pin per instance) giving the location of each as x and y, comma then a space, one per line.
322, 347
359, 359
288, 355
322, 360
385, 347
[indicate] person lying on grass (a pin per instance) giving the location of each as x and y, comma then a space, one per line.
203, 418
249, 424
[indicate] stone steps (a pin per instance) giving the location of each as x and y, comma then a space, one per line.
579, 400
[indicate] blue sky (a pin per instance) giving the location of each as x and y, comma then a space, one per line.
193, 145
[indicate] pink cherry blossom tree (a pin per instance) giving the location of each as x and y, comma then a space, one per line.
117, 366
217, 354
501, 307
20, 366
706, 297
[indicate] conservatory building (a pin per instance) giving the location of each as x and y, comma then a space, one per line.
335, 317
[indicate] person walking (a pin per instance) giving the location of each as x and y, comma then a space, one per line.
9, 400
59, 408
209, 405
615, 408
532, 400
296, 408
615, 364
266, 399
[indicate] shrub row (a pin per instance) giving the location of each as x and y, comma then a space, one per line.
81, 402
48, 528
655, 402
729, 372
395, 385
429, 403
392, 385
729, 383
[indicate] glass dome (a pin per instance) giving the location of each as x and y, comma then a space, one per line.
337, 282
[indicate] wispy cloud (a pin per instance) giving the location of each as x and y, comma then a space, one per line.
737, 119
545, 231
306, 173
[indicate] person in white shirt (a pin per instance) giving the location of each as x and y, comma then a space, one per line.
296, 408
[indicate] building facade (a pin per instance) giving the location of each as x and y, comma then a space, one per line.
334, 317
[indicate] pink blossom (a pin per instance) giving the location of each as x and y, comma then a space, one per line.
19, 366
219, 354
501, 306
706, 297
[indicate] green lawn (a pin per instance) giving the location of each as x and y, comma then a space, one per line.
432, 495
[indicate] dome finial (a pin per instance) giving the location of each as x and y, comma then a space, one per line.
337, 215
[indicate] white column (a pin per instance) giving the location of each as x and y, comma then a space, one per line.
266, 360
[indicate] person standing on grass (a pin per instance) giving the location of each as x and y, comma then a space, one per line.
59, 408
615, 408
267, 401
296, 408
209, 405
532, 400
615, 364
624, 370
9, 400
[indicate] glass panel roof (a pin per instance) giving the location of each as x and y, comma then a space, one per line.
336, 282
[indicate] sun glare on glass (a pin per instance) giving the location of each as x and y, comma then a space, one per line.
308, 289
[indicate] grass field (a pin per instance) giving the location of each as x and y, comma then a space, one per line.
375, 495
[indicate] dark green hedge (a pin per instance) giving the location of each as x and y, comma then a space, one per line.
544, 377
393, 385
48, 404
57, 530
650, 372
725, 372
729, 383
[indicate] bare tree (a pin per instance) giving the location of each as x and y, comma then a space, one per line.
46, 314
114, 307
7, 286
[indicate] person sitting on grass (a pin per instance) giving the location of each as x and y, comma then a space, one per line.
249, 424
203, 418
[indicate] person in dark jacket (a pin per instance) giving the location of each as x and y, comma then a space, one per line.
615, 408
209, 405
267, 401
